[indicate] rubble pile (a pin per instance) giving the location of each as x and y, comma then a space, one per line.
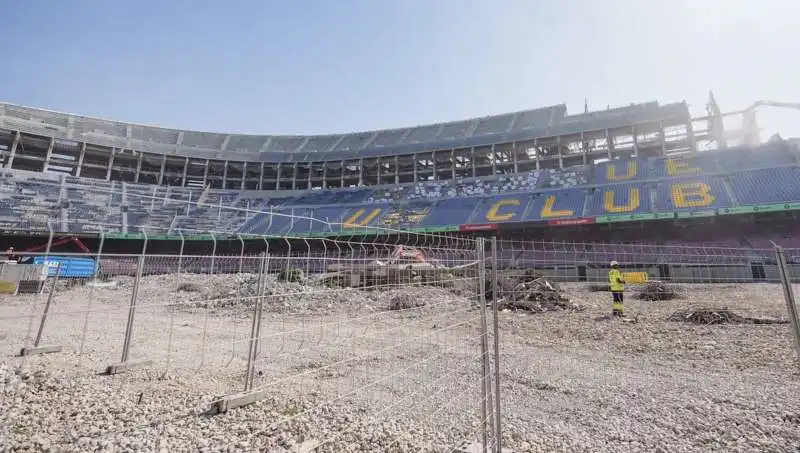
657, 291
707, 316
225, 294
530, 291
406, 266
405, 301
292, 275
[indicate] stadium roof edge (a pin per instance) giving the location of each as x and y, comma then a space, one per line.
282, 135
370, 131
38, 118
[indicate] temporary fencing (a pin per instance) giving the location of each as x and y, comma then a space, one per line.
388, 329
362, 327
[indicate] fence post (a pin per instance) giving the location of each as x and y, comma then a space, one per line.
47, 307
36, 349
255, 328
788, 294
124, 365
213, 253
132, 310
49, 241
97, 271
485, 390
241, 253
498, 432
180, 254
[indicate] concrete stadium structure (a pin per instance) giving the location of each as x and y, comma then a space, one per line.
76, 175
545, 138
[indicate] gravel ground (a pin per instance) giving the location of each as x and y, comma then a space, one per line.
343, 370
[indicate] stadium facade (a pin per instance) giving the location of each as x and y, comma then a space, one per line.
546, 138
75, 175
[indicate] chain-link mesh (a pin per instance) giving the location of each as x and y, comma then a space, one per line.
389, 341
361, 343
700, 359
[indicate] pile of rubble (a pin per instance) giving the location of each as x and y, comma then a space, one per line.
222, 294
707, 316
406, 301
656, 291
405, 266
529, 290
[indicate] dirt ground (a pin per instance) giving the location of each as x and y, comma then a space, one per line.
341, 369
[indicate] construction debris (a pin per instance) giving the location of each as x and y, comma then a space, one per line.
187, 287
530, 291
706, 316
292, 275
404, 301
656, 291
406, 265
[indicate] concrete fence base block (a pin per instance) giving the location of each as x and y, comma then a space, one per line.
34, 350
235, 400
127, 366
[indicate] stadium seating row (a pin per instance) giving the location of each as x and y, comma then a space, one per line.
702, 182
687, 194
93, 208
616, 172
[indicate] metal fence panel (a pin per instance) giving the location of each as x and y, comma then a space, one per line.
362, 342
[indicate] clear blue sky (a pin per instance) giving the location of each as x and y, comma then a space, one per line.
324, 66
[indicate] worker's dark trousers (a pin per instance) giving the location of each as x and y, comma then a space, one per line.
617, 307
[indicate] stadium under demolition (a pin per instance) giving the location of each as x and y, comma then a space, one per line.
441, 288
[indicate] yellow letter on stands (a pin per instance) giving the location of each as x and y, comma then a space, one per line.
494, 212
611, 172
677, 167
549, 212
354, 221
692, 195
610, 206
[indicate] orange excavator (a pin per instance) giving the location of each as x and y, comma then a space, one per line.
57, 243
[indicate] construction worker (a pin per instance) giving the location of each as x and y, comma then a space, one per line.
617, 285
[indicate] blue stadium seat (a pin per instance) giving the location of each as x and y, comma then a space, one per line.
351, 195
618, 199
364, 216
278, 222
747, 158
559, 204
679, 167
767, 174
322, 197
622, 170
691, 194
566, 178
256, 224
775, 185
329, 218
501, 208
451, 211
404, 216
301, 221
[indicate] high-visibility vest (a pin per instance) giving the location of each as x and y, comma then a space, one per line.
614, 277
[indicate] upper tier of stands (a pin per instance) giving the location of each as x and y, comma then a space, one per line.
541, 122
702, 181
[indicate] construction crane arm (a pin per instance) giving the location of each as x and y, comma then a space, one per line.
66, 240
784, 105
